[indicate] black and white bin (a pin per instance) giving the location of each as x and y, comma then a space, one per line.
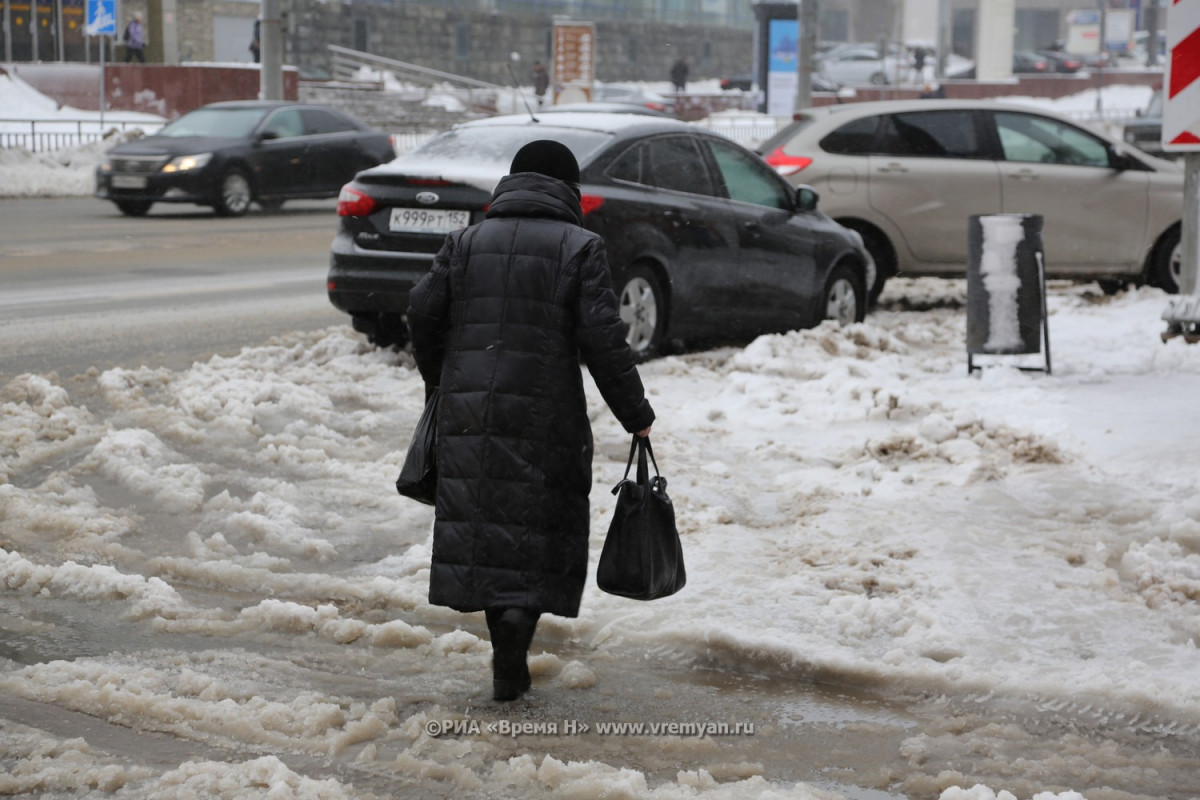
1006, 288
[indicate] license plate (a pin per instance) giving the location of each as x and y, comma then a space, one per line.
427, 220
129, 181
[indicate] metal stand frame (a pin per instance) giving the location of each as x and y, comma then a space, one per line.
972, 366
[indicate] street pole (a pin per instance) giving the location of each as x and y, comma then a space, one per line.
271, 36
103, 98
806, 49
1183, 310
59, 30
1189, 277
1152, 25
8, 34
943, 41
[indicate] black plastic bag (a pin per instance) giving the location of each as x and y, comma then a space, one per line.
418, 476
642, 557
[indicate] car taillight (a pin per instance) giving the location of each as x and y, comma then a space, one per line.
656, 106
590, 202
786, 165
353, 203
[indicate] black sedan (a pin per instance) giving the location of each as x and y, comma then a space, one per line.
226, 155
705, 241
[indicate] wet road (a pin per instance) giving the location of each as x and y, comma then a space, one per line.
83, 286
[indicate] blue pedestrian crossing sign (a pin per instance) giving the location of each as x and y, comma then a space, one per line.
102, 17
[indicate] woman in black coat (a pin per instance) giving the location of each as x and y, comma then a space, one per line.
499, 326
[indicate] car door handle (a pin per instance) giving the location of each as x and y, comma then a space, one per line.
1024, 175
751, 226
894, 167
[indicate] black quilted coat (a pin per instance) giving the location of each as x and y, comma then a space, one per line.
500, 324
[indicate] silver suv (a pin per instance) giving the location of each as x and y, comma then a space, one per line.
907, 174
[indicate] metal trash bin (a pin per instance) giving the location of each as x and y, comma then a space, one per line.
1006, 288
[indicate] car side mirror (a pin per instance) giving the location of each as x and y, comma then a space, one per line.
1121, 161
806, 198
267, 136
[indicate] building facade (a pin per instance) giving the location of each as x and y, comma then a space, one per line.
636, 39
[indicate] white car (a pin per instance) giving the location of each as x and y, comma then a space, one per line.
635, 95
850, 66
907, 174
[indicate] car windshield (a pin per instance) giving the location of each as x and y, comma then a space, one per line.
232, 123
492, 146
1155, 107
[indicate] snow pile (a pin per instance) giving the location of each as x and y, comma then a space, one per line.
854, 507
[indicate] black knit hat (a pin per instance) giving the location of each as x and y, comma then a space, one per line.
547, 157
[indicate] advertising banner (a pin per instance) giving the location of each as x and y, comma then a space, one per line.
782, 54
574, 61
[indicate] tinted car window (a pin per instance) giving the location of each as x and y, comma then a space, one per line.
317, 121
285, 123
231, 123
676, 164
628, 166
747, 179
936, 134
1024, 137
854, 138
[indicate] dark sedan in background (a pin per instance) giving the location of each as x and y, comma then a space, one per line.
226, 155
705, 241
1145, 131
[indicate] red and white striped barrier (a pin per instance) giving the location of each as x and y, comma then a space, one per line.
1181, 112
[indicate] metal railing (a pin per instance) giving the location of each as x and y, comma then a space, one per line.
45, 135
750, 130
348, 65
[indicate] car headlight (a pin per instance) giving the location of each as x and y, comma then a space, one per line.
187, 163
1129, 136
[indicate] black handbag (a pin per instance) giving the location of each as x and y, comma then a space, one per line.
642, 557
418, 475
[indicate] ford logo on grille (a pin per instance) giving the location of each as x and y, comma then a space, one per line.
427, 198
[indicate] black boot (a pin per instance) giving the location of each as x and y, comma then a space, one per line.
512, 631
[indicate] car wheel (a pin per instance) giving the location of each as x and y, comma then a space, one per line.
879, 79
881, 253
134, 208
234, 199
844, 299
643, 310
1166, 269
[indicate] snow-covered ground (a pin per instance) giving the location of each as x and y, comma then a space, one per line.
217, 553
854, 507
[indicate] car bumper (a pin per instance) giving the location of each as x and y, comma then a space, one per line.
177, 188
372, 282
